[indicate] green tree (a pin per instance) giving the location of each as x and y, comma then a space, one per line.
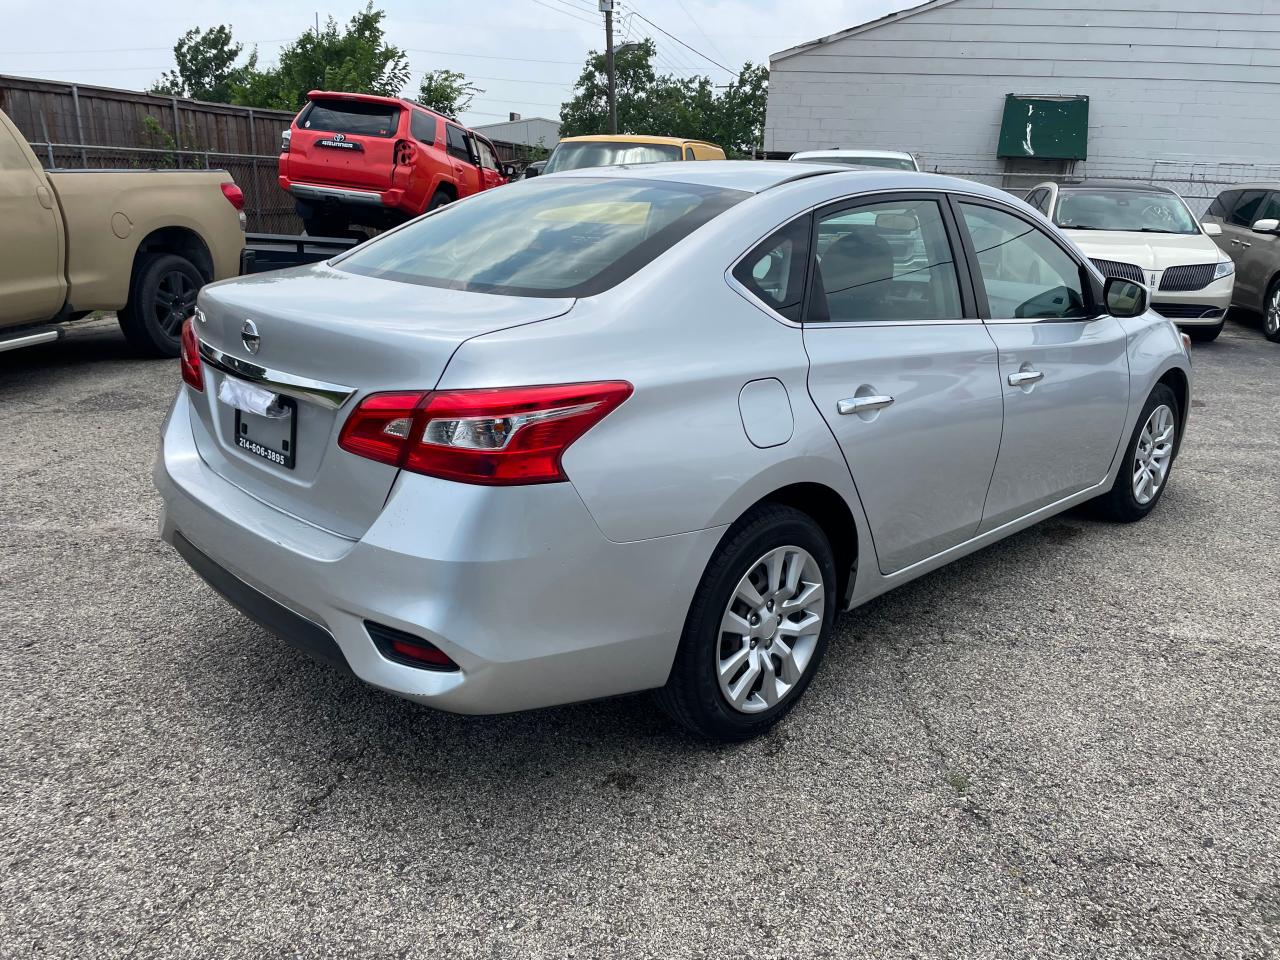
205, 66
446, 91
356, 59
666, 105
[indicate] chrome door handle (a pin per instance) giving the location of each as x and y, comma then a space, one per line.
1244, 243
862, 404
1024, 377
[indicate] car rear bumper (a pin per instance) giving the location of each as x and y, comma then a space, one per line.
321, 193
517, 585
1204, 307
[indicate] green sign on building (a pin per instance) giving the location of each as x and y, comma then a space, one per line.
1045, 128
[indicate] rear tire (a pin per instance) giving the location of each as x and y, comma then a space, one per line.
1124, 502
735, 646
321, 225
161, 295
1271, 312
1205, 334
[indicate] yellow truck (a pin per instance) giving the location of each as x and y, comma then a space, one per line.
139, 242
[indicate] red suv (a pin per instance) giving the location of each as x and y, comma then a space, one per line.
355, 159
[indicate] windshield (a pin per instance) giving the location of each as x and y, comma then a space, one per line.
591, 153
890, 163
1130, 210
543, 238
351, 116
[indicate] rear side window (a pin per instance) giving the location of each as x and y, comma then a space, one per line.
1246, 210
457, 142
548, 238
351, 116
774, 270
423, 127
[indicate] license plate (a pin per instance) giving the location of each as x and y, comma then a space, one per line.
274, 439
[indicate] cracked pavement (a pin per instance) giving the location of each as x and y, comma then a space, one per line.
1067, 745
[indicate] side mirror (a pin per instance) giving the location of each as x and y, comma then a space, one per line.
1211, 229
510, 170
532, 171
1267, 226
1125, 298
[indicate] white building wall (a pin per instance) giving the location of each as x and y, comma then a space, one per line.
1199, 91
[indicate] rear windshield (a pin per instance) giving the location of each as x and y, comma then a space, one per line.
891, 163
351, 116
575, 156
572, 237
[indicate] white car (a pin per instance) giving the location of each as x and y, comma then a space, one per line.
889, 159
1147, 234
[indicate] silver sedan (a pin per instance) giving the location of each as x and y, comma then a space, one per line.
650, 428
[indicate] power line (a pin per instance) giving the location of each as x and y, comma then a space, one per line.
698, 27
570, 15
683, 44
486, 56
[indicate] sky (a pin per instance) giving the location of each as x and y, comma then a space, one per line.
524, 54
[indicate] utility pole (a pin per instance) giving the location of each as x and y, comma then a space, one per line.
606, 7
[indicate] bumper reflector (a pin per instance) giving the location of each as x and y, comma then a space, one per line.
405, 648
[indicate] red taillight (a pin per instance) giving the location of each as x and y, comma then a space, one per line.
234, 195
501, 436
192, 374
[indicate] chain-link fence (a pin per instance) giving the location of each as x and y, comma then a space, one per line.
267, 208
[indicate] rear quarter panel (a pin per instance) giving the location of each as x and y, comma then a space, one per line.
109, 213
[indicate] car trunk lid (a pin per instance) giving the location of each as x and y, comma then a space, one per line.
324, 340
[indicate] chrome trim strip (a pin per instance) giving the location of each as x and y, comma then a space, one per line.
30, 340
330, 395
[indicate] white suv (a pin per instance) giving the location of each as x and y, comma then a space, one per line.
1148, 235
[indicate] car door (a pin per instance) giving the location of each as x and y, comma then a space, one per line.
1064, 366
1239, 236
903, 372
1256, 255
32, 284
465, 172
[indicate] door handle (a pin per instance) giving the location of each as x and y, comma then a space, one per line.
862, 404
1244, 243
1023, 377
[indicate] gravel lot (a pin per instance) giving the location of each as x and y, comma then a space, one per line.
1066, 745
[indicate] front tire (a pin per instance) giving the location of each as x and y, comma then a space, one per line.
1148, 460
1205, 334
1271, 312
161, 296
438, 200
757, 629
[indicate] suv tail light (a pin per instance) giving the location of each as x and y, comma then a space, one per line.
192, 374
286, 135
499, 437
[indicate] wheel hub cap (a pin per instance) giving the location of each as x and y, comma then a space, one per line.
1153, 454
770, 629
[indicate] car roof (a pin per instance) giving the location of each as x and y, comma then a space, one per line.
841, 152
635, 138
374, 98
1258, 185
757, 176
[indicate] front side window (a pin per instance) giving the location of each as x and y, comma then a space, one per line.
1222, 205
1027, 276
1245, 213
889, 261
487, 159
589, 153
1128, 210
556, 238
774, 270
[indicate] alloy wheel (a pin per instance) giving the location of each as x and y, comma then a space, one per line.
770, 629
1153, 454
1272, 317
175, 299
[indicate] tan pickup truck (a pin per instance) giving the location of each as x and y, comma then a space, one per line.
140, 242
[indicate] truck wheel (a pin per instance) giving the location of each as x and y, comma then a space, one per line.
439, 200
161, 296
321, 225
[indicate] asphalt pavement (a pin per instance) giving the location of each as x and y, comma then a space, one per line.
1067, 745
